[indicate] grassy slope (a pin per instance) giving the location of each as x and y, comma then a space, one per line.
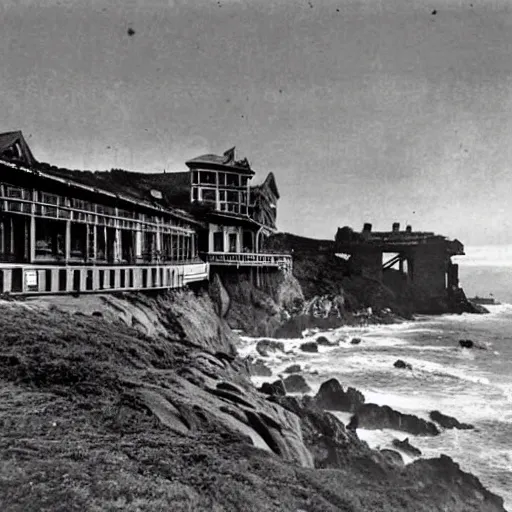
73, 438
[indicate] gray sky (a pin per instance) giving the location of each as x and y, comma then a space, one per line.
364, 110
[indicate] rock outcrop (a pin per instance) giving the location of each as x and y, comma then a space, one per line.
309, 346
263, 347
331, 396
372, 416
296, 384
448, 421
402, 365
406, 447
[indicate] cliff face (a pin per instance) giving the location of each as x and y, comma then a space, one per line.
139, 403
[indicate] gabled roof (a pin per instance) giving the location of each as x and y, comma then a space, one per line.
9, 144
227, 160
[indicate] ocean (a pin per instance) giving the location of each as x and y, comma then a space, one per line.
473, 385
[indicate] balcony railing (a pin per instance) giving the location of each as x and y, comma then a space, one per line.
248, 259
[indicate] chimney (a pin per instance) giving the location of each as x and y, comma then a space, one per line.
367, 228
396, 227
408, 229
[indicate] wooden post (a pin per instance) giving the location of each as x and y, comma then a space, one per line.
67, 241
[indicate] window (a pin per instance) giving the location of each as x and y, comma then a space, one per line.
232, 180
50, 236
244, 180
232, 196
208, 194
195, 177
208, 177
194, 193
222, 178
218, 241
232, 242
78, 240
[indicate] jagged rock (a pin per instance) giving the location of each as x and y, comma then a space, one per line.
323, 340
264, 346
406, 447
355, 341
258, 368
273, 388
296, 384
332, 396
449, 421
294, 368
309, 346
219, 296
376, 417
393, 457
402, 364
466, 343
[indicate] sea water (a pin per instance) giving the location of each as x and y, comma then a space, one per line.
473, 385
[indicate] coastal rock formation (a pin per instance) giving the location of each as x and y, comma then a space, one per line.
402, 365
273, 388
449, 421
355, 341
309, 346
257, 367
294, 368
323, 340
406, 447
372, 416
263, 347
296, 384
393, 457
472, 344
332, 396
170, 420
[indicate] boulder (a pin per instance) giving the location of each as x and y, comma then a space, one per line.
406, 447
377, 417
309, 346
258, 368
263, 347
332, 396
294, 368
449, 421
323, 340
355, 341
296, 384
402, 364
393, 457
276, 388
466, 343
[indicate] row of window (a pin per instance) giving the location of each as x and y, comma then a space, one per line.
224, 196
59, 207
219, 178
95, 242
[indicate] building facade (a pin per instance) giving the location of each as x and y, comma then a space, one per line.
59, 235
238, 215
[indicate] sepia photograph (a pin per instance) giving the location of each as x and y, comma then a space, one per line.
256, 256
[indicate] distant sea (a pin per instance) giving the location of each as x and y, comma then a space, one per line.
473, 385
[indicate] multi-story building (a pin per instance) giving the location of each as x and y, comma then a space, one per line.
238, 216
69, 231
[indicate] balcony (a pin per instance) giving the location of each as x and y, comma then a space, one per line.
248, 259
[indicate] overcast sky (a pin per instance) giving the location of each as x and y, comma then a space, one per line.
399, 110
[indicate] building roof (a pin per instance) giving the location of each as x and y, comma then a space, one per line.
8, 140
227, 161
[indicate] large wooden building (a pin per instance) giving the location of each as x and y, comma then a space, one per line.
64, 231
59, 233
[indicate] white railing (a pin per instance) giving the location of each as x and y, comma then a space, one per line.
283, 261
19, 279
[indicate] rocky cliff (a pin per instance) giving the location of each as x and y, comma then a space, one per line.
140, 403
